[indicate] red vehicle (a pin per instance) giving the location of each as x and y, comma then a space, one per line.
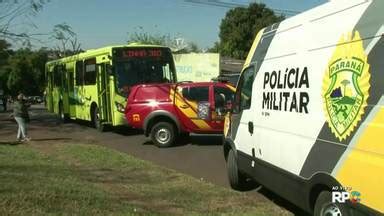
164, 111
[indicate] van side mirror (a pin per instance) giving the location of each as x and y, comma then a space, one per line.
203, 110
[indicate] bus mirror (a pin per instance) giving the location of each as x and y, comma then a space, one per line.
109, 69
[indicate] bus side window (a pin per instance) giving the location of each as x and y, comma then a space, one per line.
90, 71
79, 73
64, 76
71, 81
167, 77
57, 76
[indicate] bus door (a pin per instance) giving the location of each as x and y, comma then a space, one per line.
103, 93
49, 91
71, 94
64, 87
79, 91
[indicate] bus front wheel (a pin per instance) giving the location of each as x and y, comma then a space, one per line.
96, 120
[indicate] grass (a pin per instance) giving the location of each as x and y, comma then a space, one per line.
75, 179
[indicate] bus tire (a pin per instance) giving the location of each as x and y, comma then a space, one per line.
237, 180
324, 206
96, 120
163, 134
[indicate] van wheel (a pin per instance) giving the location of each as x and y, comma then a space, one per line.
163, 134
325, 207
237, 180
96, 120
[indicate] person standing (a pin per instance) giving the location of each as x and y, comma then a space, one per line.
5, 101
20, 113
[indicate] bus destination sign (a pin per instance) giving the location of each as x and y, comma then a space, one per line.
140, 53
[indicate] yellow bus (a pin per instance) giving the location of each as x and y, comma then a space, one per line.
94, 85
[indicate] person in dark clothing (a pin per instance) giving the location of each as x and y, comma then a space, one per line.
20, 113
5, 101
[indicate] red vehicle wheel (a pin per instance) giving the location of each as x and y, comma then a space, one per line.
163, 134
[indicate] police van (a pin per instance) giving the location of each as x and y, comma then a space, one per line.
308, 116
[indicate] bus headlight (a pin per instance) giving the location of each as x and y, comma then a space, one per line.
120, 107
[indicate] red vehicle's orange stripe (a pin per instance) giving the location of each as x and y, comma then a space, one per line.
190, 112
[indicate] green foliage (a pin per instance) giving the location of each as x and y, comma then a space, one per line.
215, 48
176, 44
193, 47
146, 38
14, 12
66, 39
5, 52
62, 32
24, 72
240, 26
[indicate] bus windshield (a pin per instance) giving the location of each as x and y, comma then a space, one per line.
143, 65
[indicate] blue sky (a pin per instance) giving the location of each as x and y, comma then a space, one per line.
101, 22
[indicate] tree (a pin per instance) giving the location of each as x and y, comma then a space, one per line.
25, 72
18, 73
193, 47
146, 38
177, 44
240, 26
67, 39
215, 48
5, 52
14, 11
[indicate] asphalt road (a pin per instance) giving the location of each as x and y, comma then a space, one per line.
199, 156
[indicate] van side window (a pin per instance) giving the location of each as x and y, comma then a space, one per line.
244, 90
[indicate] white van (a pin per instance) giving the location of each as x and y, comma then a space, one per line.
308, 120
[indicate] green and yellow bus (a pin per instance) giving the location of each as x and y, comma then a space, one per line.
94, 85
